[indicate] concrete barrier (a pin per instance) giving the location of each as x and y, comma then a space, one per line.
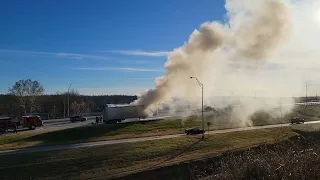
64, 120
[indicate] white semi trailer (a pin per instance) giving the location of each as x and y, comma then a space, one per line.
117, 113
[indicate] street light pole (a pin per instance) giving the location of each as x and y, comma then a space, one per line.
54, 111
202, 113
202, 116
69, 100
306, 91
64, 107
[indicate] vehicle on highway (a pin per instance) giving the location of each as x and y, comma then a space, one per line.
193, 131
78, 118
296, 120
15, 123
117, 113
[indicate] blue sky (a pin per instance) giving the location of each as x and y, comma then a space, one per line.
101, 46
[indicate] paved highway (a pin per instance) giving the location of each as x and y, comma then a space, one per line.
165, 114
53, 126
57, 124
65, 125
110, 142
60, 125
49, 121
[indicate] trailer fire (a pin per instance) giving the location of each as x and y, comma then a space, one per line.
117, 113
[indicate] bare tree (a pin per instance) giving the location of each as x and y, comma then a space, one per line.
75, 108
78, 108
74, 92
84, 107
26, 92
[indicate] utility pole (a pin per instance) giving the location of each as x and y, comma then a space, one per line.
281, 107
54, 111
306, 91
201, 86
64, 108
202, 115
69, 100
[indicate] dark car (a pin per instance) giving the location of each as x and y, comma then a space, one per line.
193, 131
297, 120
77, 118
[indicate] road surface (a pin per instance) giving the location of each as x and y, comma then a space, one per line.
110, 142
65, 119
54, 126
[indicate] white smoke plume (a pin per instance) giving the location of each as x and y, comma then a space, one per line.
265, 48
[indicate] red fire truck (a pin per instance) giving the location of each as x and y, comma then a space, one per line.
14, 123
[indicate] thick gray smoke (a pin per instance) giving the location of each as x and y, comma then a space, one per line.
235, 58
183, 63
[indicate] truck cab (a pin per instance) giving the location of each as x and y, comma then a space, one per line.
15, 123
32, 122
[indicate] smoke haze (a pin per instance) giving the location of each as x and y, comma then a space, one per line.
265, 48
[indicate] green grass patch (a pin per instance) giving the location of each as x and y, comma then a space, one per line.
286, 159
309, 113
115, 160
95, 133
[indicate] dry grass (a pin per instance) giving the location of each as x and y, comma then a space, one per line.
295, 158
123, 159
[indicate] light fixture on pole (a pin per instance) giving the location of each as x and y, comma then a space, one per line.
305, 107
201, 86
69, 100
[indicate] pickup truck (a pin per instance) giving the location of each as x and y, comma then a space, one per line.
296, 120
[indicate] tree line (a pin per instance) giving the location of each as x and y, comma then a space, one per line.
27, 96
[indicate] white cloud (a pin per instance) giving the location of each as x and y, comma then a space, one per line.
60, 54
134, 61
112, 91
141, 53
127, 90
127, 69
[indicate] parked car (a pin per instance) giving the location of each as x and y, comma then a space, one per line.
297, 120
77, 118
193, 131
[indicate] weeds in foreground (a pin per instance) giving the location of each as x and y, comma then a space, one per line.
297, 158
